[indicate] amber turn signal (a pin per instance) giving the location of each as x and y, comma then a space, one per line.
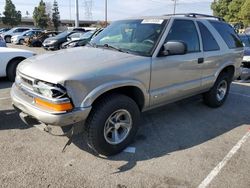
53, 106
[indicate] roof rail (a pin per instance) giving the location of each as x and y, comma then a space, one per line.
196, 15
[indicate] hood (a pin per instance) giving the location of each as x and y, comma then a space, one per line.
71, 64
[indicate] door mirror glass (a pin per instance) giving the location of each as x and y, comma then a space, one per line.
174, 48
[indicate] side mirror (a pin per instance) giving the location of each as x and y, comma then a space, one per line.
68, 38
174, 48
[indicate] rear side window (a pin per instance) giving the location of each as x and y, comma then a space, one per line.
209, 42
185, 30
228, 34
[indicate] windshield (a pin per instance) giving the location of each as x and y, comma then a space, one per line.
26, 33
87, 35
63, 34
132, 36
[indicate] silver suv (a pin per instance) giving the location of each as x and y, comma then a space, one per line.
132, 66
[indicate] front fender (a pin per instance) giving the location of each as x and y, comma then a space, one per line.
98, 91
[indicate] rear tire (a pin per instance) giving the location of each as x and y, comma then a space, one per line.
112, 124
11, 69
219, 92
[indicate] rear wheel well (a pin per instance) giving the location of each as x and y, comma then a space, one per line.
229, 70
131, 91
14, 59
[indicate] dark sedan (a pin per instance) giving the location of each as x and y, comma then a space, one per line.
55, 43
84, 39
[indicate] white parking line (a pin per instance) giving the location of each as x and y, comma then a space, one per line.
218, 168
4, 98
243, 95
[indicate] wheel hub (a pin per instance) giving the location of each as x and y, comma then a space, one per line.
117, 127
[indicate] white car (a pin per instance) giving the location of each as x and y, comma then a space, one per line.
14, 31
9, 59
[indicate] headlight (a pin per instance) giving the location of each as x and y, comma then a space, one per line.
73, 44
51, 41
49, 90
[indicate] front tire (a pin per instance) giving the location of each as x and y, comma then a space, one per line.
21, 41
112, 124
219, 92
11, 69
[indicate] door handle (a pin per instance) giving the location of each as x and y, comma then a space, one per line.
200, 60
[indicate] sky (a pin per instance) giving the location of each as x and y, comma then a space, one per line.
117, 9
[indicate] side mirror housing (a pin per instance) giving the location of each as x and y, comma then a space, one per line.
174, 48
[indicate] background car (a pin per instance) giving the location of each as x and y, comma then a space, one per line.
246, 41
2, 30
55, 43
14, 31
2, 42
19, 39
36, 41
84, 39
9, 59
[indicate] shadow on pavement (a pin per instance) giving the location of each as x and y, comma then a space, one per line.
9, 119
4, 83
180, 126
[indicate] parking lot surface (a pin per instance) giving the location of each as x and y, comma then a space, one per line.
184, 144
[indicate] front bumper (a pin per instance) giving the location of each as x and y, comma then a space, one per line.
25, 104
49, 47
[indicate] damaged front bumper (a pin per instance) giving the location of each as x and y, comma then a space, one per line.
26, 105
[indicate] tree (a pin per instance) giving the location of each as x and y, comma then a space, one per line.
234, 8
55, 15
220, 8
11, 16
245, 13
39, 15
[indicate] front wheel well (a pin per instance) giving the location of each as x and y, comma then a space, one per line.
131, 91
14, 60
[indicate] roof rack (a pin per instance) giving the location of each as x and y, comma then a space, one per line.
196, 15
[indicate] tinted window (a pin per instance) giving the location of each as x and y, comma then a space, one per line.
228, 34
209, 42
185, 30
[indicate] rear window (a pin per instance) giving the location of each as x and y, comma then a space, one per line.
228, 34
209, 42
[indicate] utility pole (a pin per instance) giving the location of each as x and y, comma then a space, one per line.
175, 2
106, 12
77, 14
70, 10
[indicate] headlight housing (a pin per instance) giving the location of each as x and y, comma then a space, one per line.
49, 90
73, 44
50, 41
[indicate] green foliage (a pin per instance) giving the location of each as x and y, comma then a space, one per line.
234, 10
220, 8
11, 16
40, 16
55, 15
245, 13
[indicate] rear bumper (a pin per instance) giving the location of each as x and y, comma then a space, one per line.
23, 103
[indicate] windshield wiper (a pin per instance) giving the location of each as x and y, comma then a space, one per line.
111, 47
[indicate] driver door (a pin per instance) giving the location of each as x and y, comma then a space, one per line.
177, 76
